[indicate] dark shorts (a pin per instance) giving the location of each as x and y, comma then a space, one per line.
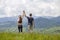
30, 24
20, 28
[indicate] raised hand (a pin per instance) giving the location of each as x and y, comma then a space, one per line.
24, 13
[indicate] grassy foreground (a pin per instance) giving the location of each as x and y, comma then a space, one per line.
28, 36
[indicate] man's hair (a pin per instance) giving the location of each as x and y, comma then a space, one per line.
30, 14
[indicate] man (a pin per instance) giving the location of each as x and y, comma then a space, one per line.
30, 22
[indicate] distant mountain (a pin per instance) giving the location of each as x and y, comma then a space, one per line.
48, 17
48, 25
40, 22
5, 19
45, 22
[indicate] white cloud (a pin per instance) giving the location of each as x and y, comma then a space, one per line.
37, 7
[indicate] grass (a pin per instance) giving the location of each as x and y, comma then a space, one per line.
28, 36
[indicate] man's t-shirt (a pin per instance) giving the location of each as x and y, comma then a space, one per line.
30, 20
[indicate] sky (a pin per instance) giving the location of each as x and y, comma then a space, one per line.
9, 8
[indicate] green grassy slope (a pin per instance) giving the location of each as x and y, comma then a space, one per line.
29, 36
51, 30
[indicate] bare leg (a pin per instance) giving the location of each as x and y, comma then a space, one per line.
28, 28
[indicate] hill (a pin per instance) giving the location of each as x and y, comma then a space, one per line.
29, 36
41, 23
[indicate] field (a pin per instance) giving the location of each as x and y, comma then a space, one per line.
29, 36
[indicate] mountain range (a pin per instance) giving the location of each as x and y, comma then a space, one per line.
40, 23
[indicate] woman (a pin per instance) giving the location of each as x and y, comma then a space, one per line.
20, 27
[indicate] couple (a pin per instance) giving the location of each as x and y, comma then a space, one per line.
30, 22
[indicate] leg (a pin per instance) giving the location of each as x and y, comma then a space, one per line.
29, 28
21, 28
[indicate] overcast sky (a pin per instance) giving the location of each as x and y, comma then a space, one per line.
36, 7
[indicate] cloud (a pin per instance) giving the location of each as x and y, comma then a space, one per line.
37, 7
2, 11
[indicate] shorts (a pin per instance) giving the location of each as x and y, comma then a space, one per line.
30, 27
20, 28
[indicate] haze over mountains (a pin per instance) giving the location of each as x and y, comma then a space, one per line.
40, 22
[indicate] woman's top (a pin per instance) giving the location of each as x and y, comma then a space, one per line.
20, 21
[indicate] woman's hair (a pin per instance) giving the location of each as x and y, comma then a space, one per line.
20, 19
